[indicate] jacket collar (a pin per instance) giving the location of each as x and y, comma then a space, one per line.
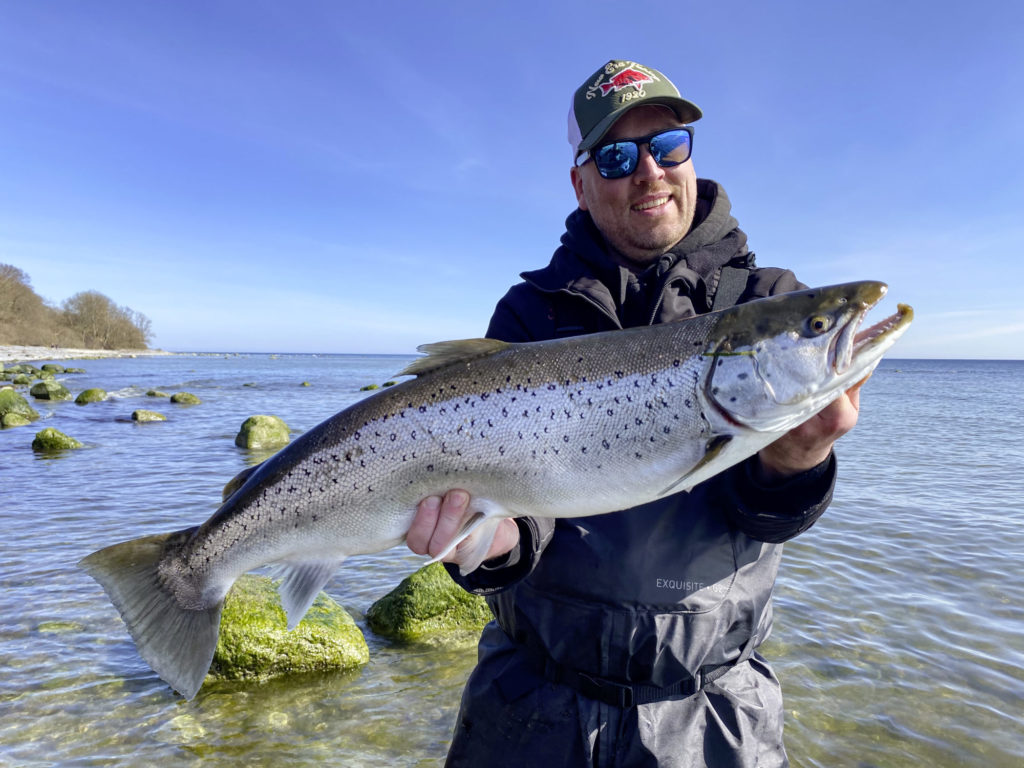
582, 265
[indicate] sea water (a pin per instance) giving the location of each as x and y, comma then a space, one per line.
899, 634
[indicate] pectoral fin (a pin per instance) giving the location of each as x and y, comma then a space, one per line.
485, 525
712, 451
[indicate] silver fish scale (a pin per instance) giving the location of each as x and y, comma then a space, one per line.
533, 433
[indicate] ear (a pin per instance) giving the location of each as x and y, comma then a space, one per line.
576, 176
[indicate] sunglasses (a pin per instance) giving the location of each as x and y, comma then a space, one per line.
619, 159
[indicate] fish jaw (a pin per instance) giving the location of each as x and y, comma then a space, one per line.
778, 361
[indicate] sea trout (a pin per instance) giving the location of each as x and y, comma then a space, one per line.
564, 428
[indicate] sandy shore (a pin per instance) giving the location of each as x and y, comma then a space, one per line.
17, 354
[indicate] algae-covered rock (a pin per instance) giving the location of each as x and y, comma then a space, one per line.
14, 409
143, 415
52, 368
255, 643
93, 395
369, 388
185, 398
262, 431
156, 393
48, 389
426, 604
74, 370
51, 439
21, 379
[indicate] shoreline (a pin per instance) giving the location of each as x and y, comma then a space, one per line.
15, 353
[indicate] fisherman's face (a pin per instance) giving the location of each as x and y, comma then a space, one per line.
644, 214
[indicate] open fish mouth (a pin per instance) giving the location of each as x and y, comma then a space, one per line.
860, 348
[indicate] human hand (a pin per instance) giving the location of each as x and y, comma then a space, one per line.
808, 445
438, 521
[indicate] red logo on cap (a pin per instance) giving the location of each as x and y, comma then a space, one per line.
625, 78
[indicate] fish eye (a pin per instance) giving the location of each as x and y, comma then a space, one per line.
819, 324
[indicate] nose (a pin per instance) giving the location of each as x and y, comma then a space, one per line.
646, 169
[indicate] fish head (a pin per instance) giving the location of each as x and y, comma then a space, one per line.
777, 361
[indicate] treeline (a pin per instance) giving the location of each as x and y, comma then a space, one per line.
88, 320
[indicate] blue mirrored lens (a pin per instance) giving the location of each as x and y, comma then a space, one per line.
616, 160
671, 148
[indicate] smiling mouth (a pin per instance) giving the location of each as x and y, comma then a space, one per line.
648, 204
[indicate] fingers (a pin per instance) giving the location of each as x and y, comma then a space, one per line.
436, 522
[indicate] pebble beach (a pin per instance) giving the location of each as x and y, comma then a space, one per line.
13, 353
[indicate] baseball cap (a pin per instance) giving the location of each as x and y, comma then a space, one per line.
613, 90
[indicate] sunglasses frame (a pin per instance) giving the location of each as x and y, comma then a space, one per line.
588, 154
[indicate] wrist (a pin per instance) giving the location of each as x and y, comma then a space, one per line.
770, 468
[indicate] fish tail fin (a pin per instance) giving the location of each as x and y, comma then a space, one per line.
176, 642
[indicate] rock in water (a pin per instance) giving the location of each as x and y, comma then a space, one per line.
50, 439
141, 414
255, 643
49, 389
428, 604
262, 431
94, 395
14, 409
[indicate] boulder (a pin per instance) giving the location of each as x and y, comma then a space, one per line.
255, 643
22, 379
185, 398
74, 370
156, 393
50, 439
144, 415
49, 389
52, 368
369, 387
428, 604
262, 431
13, 420
93, 395
14, 409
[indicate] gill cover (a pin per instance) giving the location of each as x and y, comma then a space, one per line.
773, 357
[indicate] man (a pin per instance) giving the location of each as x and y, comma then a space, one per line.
630, 638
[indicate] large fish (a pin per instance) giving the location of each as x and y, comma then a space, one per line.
561, 428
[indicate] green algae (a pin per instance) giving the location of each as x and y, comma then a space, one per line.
50, 439
255, 643
92, 395
262, 431
426, 605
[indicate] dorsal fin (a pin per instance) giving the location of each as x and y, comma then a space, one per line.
441, 354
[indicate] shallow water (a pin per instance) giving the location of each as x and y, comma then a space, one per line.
899, 632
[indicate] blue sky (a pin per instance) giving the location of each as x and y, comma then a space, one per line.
316, 176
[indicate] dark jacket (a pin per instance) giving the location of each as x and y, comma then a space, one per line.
654, 595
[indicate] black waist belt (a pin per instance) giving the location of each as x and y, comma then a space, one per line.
626, 695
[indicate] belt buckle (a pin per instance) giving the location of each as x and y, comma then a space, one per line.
606, 691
